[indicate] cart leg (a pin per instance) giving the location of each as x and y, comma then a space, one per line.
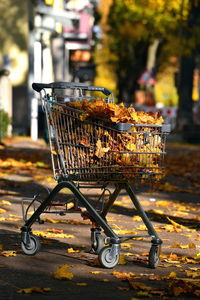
26, 231
111, 201
155, 238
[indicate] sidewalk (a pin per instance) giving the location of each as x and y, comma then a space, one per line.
173, 210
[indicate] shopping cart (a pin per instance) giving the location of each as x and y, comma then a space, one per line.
96, 153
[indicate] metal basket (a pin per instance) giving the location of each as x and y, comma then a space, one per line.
99, 150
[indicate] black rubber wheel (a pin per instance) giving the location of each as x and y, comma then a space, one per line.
106, 260
98, 244
154, 254
33, 247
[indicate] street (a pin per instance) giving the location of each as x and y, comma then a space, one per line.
172, 206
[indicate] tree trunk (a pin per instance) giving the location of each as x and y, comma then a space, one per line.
185, 87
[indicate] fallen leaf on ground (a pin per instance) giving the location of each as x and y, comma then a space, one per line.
122, 275
95, 272
63, 273
53, 235
71, 250
34, 289
139, 286
8, 253
122, 260
189, 246
192, 274
4, 202
175, 224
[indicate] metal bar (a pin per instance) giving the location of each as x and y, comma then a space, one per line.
141, 212
66, 184
112, 199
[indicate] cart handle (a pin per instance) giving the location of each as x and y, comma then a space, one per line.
69, 85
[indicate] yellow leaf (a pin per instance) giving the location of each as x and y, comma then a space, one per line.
49, 220
95, 272
122, 275
5, 202
126, 245
53, 235
192, 274
100, 151
8, 253
122, 260
81, 283
143, 293
71, 250
156, 211
2, 211
137, 218
175, 224
122, 232
142, 227
163, 203
172, 275
63, 273
34, 289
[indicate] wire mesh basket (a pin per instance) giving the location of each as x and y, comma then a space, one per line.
100, 150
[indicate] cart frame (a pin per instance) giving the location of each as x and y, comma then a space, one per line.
108, 255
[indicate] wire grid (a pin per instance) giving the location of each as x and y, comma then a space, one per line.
93, 150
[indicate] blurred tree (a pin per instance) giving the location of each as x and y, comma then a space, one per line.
191, 37
134, 28
139, 35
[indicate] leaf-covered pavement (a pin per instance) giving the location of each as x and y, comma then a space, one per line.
173, 207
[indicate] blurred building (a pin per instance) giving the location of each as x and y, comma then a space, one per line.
47, 40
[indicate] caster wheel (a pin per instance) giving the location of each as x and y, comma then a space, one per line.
98, 243
33, 247
154, 254
106, 259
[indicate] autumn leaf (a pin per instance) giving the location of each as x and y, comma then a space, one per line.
53, 235
81, 283
2, 211
175, 224
156, 211
189, 246
164, 203
192, 274
95, 272
122, 260
171, 275
137, 218
34, 289
4, 202
100, 150
71, 250
139, 286
122, 275
8, 253
63, 273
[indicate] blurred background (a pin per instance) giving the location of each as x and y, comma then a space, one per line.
147, 52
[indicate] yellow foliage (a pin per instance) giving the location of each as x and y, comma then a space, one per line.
35, 289
63, 273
